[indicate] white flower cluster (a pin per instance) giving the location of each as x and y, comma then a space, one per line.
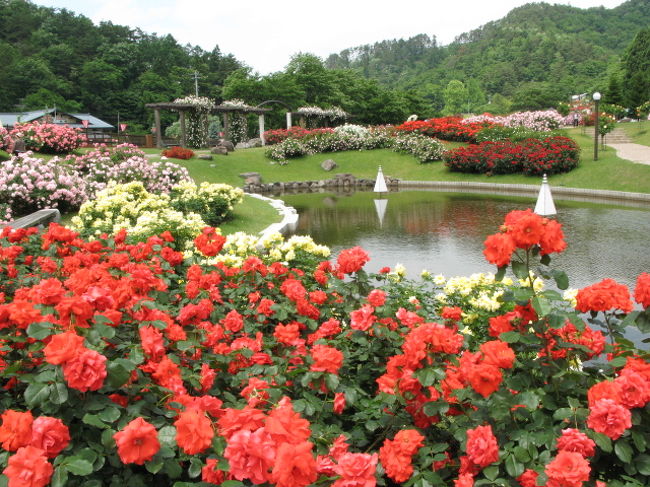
200, 103
351, 129
423, 148
334, 113
236, 103
541, 120
213, 201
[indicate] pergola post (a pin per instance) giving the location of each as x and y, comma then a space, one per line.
156, 116
288, 120
226, 125
261, 123
183, 133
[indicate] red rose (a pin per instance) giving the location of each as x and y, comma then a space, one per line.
326, 359
193, 432
28, 468
498, 249
603, 296
356, 470
16, 429
528, 478
568, 469
498, 353
377, 298
137, 442
642, 290
63, 347
485, 378
86, 372
50, 435
352, 260
576, 441
609, 418
295, 466
210, 473
482, 448
339, 402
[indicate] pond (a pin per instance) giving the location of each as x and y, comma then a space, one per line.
444, 232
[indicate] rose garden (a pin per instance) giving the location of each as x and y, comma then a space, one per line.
141, 345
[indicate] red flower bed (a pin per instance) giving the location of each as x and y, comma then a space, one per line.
278, 135
178, 152
532, 157
446, 128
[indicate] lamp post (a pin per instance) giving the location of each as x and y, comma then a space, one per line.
596, 98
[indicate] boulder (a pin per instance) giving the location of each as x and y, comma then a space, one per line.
255, 142
227, 144
242, 145
206, 157
253, 178
328, 165
221, 150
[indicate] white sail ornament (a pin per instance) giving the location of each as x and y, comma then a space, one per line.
545, 205
380, 183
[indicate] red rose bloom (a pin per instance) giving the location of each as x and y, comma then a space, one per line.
85, 372
576, 441
482, 448
642, 290
210, 473
634, 389
603, 296
377, 298
464, 480
451, 313
485, 378
339, 402
250, 455
326, 359
193, 432
351, 260
609, 418
16, 429
137, 442
568, 469
50, 435
528, 478
498, 249
526, 229
498, 353
63, 347
295, 466
28, 468
356, 470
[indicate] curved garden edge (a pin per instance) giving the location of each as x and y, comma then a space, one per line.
289, 216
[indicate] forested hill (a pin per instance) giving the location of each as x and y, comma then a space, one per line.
538, 51
54, 57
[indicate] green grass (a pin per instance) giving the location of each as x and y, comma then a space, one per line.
639, 132
609, 172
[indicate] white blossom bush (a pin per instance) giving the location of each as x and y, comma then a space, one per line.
423, 148
213, 202
540, 120
351, 129
238, 127
28, 183
197, 126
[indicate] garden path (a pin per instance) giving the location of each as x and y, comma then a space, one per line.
632, 152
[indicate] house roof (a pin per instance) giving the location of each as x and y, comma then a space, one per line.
9, 119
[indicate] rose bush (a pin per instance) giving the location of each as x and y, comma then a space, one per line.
48, 138
133, 364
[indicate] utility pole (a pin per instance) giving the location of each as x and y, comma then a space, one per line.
196, 83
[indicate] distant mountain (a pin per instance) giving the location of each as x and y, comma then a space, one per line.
537, 50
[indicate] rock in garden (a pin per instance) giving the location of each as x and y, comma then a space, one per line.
206, 157
328, 165
219, 150
242, 145
251, 177
227, 144
255, 142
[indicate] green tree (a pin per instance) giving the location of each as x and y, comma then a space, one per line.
636, 70
455, 96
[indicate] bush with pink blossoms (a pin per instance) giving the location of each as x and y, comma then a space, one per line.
540, 120
49, 138
28, 184
6, 142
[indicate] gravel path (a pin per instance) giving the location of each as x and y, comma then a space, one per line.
633, 152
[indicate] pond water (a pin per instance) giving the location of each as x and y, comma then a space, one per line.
444, 232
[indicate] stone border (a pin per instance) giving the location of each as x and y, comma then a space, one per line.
288, 213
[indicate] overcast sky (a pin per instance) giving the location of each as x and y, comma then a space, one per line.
265, 34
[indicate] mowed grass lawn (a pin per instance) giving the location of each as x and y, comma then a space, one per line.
609, 172
639, 132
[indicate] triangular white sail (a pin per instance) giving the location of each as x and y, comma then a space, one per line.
380, 206
545, 205
380, 183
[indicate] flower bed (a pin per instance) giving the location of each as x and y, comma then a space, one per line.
552, 155
136, 365
177, 152
539, 121
446, 128
48, 138
278, 135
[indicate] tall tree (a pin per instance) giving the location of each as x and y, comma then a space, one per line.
636, 70
455, 96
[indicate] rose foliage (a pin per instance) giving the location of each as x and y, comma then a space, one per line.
134, 365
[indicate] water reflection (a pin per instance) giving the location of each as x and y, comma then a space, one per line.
444, 232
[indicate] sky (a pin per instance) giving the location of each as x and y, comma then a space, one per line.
265, 34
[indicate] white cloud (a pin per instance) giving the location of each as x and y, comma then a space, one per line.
266, 34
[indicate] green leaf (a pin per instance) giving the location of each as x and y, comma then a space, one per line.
60, 477
172, 468
561, 279
642, 463
109, 415
107, 438
520, 270
623, 451
513, 467
78, 466
498, 277
167, 436
643, 321
521, 454
154, 466
491, 473
562, 413
332, 381
36, 393
546, 259
232, 483
639, 441
39, 331
93, 420
58, 393
426, 376
510, 337
603, 442
542, 306
117, 374
195, 468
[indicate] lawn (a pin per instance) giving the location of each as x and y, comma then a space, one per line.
639, 132
609, 172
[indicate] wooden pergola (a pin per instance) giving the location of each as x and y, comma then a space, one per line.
181, 108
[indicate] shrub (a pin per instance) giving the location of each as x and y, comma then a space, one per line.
137, 365
278, 135
423, 148
48, 138
6, 142
177, 152
446, 128
539, 121
287, 149
551, 155
498, 133
213, 202
28, 184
